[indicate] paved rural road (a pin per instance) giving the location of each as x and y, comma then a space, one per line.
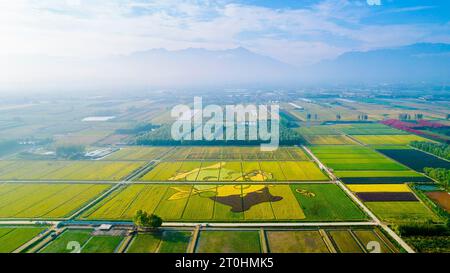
361, 204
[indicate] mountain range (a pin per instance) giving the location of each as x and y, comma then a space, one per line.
424, 62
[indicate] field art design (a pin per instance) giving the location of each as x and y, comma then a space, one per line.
236, 171
244, 153
295, 202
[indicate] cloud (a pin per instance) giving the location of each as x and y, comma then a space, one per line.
93, 28
374, 2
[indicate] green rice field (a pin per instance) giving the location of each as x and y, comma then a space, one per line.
355, 158
296, 242
88, 243
11, 238
401, 212
388, 139
228, 242
345, 242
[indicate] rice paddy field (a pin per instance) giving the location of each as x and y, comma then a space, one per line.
355, 158
138, 153
228, 203
329, 140
228, 242
402, 212
167, 241
345, 241
88, 242
365, 165
44, 200
239, 153
235, 171
388, 139
315, 240
415, 159
11, 238
318, 130
66, 170
367, 129
393, 203
379, 188
304, 241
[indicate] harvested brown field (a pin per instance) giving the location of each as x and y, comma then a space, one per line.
441, 198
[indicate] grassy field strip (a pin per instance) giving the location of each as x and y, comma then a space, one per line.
327, 241
263, 241
194, 240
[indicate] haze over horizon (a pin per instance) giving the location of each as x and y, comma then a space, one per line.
78, 44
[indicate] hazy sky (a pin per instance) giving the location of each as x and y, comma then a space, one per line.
294, 31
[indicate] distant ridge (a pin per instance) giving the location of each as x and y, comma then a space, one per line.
412, 63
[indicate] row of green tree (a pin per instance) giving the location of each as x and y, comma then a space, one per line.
140, 128
426, 237
439, 149
70, 151
423, 229
439, 174
162, 136
142, 219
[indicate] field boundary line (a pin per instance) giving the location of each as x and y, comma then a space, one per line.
46, 241
357, 240
234, 182
95, 201
327, 241
356, 140
123, 245
193, 242
263, 241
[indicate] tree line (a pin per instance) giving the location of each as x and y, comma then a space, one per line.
439, 174
439, 149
